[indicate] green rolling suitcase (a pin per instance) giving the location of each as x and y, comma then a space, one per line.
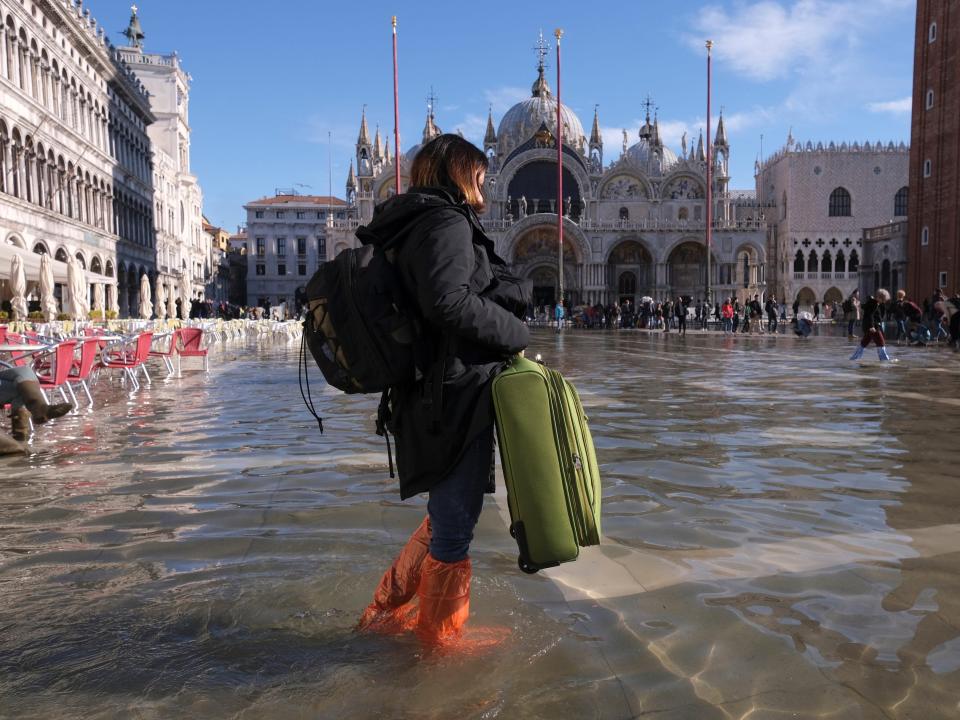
549, 464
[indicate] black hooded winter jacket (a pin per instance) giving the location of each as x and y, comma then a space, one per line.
470, 309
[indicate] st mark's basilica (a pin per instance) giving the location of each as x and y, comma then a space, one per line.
632, 228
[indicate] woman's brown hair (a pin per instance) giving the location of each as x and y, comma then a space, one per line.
454, 164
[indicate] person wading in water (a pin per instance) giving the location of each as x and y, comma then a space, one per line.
469, 310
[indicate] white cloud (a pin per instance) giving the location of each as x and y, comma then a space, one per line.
767, 40
473, 128
896, 107
503, 98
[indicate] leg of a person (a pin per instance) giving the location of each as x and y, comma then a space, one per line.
456, 501
9, 379
879, 339
867, 338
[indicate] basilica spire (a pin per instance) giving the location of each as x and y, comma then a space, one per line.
351, 178
377, 144
721, 140
430, 129
134, 31
364, 137
490, 136
646, 132
540, 86
701, 155
595, 137
386, 152
596, 142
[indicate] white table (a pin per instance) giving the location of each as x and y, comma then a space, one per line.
24, 348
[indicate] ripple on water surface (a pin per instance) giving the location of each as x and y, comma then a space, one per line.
781, 528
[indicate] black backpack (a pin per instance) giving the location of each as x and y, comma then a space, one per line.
355, 326
360, 327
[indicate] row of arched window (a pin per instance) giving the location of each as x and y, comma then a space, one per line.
96, 264
841, 203
27, 64
826, 262
34, 173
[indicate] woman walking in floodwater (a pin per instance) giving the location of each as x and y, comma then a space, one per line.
874, 314
469, 310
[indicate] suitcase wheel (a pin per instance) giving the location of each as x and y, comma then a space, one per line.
513, 532
527, 567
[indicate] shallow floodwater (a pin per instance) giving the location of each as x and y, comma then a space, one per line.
782, 539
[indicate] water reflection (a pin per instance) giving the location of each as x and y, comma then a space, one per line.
782, 529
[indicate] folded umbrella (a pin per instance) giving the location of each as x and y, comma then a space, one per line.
18, 281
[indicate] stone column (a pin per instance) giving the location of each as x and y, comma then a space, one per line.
8, 166
29, 160
28, 72
4, 68
71, 196
52, 184
61, 200
18, 73
40, 167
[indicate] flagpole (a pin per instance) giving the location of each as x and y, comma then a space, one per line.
709, 179
558, 33
396, 111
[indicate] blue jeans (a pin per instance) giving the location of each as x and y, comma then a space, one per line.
456, 501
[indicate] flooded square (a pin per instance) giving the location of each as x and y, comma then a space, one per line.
781, 539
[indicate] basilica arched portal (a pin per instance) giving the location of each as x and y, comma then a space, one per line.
534, 257
630, 271
687, 270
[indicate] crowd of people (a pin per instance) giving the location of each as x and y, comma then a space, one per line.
937, 318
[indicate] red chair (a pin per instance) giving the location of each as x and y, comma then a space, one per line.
83, 368
3, 334
130, 360
192, 337
171, 350
59, 370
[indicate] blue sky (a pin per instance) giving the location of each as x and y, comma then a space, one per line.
269, 86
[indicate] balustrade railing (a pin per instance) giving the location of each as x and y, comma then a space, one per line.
634, 225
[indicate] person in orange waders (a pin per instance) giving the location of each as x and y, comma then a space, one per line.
469, 309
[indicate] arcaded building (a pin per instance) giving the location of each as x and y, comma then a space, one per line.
933, 246
74, 153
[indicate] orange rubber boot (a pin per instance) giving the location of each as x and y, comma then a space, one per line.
388, 611
444, 595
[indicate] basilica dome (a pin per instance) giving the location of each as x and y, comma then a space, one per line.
642, 154
522, 121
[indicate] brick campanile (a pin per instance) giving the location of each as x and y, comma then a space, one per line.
933, 247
